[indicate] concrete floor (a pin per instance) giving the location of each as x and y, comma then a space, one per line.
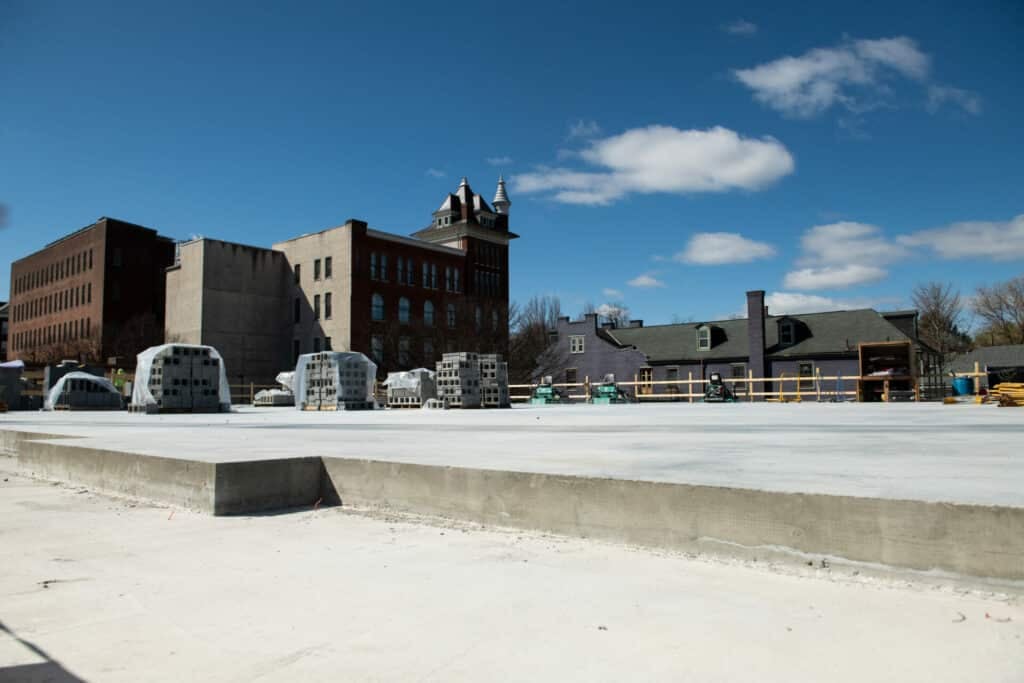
101, 589
962, 453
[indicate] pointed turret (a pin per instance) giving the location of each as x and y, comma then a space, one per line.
501, 201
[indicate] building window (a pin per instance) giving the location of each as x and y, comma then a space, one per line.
377, 307
384, 267
377, 348
316, 307
400, 270
451, 316
328, 267
786, 334
703, 338
672, 375
576, 343
90, 259
298, 310
403, 351
403, 310
433, 276
479, 318
316, 270
426, 275
316, 344
88, 292
410, 273
327, 344
572, 375
373, 265
298, 273
646, 381
327, 305
428, 314
739, 371
447, 279
458, 286
806, 372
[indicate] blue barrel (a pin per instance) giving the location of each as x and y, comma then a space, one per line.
963, 386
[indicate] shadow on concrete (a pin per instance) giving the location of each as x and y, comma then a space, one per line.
48, 671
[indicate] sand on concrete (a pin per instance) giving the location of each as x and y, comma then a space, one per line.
930, 452
103, 589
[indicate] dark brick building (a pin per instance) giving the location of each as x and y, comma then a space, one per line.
96, 293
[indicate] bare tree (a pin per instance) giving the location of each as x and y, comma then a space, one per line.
1001, 310
940, 313
615, 313
531, 352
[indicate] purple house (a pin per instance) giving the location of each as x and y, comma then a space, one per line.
766, 345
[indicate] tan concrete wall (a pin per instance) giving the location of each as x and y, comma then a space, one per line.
184, 310
303, 251
972, 540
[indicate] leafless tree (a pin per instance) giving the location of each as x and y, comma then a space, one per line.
615, 313
531, 352
940, 313
1001, 310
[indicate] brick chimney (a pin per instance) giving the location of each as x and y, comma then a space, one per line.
756, 314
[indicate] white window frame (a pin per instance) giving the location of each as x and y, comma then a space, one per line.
577, 343
703, 338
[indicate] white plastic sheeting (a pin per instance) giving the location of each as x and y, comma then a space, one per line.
286, 380
413, 379
54, 394
142, 396
300, 380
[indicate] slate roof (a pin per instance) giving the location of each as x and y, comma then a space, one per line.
834, 332
991, 356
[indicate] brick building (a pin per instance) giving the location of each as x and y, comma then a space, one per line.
4, 324
91, 295
403, 301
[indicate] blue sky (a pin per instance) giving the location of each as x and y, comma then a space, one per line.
847, 151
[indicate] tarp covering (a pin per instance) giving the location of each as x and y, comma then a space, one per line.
16, 364
142, 396
413, 379
55, 392
286, 380
300, 381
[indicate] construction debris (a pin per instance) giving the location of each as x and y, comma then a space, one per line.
1007, 394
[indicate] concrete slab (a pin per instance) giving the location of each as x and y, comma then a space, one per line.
103, 589
959, 454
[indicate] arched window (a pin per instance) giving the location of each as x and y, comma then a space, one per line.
403, 311
377, 308
428, 313
703, 338
451, 315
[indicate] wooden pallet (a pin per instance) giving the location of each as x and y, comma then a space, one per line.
1007, 394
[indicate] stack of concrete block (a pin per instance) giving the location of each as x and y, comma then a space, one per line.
334, 380
410, 389
493, 381
83, 391
185, 379
458, 380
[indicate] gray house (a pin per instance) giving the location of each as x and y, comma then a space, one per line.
766, 345
1000, 363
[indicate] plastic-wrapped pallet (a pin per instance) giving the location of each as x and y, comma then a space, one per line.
181, 378
410, 389
335, 380
83, 391
493, 381
458, 380
275, 398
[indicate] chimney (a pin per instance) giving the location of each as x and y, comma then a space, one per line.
636, 323
756, 314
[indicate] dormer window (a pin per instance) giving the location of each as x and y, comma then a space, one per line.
787, 333
703, 338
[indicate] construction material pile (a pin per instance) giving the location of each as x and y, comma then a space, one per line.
285, 396
83, 391
493, 381
458, 380
181, 378
335, 380
410, 389
1007, 394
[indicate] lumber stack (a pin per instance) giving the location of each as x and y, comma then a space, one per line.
1007, 394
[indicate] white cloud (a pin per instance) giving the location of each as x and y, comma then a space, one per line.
841, 255
663, 159
436, 173
834, 277
612, 311
499, 161
646, 281
717, 248
996, 240
740, 27
940, 94
584, 129
781, 303
851, 75
611, 293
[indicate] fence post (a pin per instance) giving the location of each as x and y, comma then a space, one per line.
750, 385
689, 387
817, 382
977, 379
252, 392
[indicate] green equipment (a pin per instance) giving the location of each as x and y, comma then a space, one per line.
608, 392
546, 393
